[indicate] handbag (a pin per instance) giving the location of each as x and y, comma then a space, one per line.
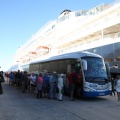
57, 90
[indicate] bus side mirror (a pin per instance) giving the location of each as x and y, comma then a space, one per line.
84, 64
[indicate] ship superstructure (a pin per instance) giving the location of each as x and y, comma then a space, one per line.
96, 30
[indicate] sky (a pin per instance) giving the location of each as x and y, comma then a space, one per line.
20, 19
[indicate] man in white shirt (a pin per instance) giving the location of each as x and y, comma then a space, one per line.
32, 83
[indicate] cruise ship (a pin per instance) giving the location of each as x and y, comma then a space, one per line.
96, 30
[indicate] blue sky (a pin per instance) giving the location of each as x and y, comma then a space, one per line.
20, 19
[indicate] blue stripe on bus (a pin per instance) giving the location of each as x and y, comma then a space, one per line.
95, 94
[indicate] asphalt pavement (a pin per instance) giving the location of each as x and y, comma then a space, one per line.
15, 105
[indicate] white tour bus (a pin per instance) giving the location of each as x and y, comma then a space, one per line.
96, 74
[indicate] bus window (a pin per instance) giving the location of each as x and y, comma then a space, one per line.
68, 68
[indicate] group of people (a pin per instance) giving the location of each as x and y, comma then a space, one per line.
51, 85
44, 84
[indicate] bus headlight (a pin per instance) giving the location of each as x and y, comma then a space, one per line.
88, 89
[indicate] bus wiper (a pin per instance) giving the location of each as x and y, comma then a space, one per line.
101, 79
106, 80
93, 79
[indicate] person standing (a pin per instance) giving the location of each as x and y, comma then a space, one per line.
53, 87
7, 76
39, 86
18, 79
118, 87
37, 75
72, 78
11, 78
45, 84
32, 83
60, 87
79, 83
1, 81
24, 81
55, 77
113, 86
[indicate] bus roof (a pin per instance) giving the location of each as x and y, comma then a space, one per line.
73, 55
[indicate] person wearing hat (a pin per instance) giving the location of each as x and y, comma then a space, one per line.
60, 87
45, 71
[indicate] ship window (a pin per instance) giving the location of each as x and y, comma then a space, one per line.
67, 17
94, 50
77, 14
53, 26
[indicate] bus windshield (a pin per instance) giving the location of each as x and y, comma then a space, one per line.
95, 68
